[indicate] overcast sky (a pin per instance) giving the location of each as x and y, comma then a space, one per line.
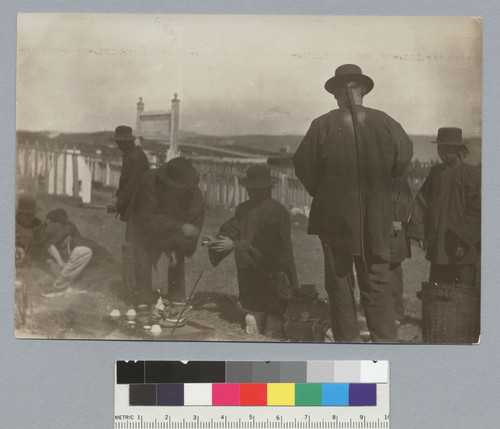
242, 74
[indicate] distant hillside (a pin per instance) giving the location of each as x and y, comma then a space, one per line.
267, 145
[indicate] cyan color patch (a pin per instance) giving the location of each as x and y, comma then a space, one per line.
335, 394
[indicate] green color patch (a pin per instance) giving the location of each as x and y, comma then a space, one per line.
308, 394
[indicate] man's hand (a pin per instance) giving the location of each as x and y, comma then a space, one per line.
223, 244
189, 231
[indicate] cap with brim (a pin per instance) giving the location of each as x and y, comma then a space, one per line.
348, 73
258, 177
450, 136
123, 133
179, 173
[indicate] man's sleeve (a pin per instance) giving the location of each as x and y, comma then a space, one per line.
403, 149
305, 160
230, 229
133, 172
469, 229
195, 216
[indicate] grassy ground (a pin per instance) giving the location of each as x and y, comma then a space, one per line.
84, 314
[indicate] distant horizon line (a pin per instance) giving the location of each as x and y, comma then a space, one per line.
466, 136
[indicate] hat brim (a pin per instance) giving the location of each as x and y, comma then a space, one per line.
258, 184
337, 81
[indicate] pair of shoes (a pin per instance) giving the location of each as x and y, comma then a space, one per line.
175, 314
54, 292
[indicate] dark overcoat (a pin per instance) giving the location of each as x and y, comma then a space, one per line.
351, 186
447, 208
158, 214
261, 235
135, 164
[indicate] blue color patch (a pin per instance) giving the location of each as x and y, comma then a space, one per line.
335, 394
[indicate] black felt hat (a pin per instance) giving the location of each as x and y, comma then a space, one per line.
179, 173
348, 73
258, 177
123, 133
450, 136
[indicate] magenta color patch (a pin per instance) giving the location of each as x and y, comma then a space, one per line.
226, 394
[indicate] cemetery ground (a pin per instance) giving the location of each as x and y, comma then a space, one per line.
84, 313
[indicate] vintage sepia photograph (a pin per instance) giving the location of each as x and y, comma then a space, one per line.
248, 178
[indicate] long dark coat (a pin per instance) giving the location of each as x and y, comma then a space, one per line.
158, 214
447, 207
135, 164
352, 197
261, 235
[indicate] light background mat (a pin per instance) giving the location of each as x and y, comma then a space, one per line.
69, 384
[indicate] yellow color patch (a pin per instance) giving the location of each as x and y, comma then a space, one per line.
281, 394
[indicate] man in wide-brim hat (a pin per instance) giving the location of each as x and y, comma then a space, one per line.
166, 217
346, 162
259, 234
135, 164
446, 221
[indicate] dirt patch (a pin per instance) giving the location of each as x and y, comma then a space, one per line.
84, 311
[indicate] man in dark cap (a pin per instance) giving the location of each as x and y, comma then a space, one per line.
29, 232
346, 162
259, 234
166, 216
135, 164
446, 215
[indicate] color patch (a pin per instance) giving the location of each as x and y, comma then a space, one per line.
265, 372
308, 394
226, 394
212, 372
239, 372
172, 372
198, 394
293, 372
170, 394
347, 371
374, 371
129, 372
142, 394
362, 394
320, 372
335, 394
281, 394
253, 394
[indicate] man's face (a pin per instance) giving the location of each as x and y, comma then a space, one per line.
258, 194
124, 145
449, 154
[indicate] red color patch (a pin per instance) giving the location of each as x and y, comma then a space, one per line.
253, 394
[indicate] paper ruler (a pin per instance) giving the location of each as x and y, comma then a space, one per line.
246, 394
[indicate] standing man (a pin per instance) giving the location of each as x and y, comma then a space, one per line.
135, 164
346, 162
166, 216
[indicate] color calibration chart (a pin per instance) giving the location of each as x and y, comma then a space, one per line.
248, 394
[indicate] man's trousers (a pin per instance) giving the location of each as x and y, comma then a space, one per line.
376, 296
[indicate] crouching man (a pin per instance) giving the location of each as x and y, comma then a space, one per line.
259, 235
166, 217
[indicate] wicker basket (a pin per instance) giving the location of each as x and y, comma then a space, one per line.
449, 314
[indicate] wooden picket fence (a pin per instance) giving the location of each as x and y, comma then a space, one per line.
219, 178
